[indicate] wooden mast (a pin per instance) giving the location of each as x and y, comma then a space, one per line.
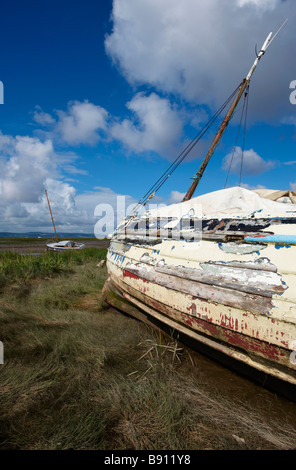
225, 122
51, 216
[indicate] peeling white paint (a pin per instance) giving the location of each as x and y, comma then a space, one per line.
240, 248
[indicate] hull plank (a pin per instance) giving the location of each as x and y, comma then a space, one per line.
209, 288
238, 301
219, 267
262, 356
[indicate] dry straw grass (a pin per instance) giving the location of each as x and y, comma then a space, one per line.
80, 376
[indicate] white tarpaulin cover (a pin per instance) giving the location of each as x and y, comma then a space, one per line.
233, 202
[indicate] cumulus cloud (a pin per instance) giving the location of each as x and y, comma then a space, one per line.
97, 212
28, 166
72, 212
82, 123
27, 163
251, 187
176, 197
202, 50
198, 50
155, 125
253, 164
263, 4
36, 215
42, 118
6, 144
16, 210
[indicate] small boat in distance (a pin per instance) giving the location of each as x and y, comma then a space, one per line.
65, 246
217, 271
61, 245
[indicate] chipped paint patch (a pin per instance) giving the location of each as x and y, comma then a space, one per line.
234, 338
240, 248
189, 273
146, 258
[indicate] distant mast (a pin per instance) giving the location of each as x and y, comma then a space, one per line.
51, 216
226, 120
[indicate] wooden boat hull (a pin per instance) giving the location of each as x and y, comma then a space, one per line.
237, 300
235, 289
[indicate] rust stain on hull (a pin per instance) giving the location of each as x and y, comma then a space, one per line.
263, 356
220, 332
244, 305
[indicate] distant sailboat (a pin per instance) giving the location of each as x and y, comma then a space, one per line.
61, 245
233, 289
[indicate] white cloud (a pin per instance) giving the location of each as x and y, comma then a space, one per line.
73, 170
176, 197
197, 49
32, 168
263, 4
6, 144
250, 187
155, 125
24, 168
26, 163
202, 49
89, 212
82, 123
62, 196
16, 210
253, 164
42, 118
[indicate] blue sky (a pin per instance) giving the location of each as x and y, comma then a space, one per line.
101, 96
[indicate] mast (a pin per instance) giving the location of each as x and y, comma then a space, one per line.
51, 216
225, 122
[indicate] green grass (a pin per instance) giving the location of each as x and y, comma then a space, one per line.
17, 267
78, 375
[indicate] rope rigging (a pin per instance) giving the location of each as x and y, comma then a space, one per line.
243, 113
163, 178
243, 148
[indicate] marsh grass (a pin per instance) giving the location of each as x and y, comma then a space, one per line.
21, 268
78, 375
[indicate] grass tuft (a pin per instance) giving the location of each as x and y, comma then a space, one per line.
79, 376
16, 267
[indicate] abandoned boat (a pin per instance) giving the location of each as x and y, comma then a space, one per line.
218, 269
61, 245
65, 246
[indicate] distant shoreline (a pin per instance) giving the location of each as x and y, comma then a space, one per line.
38, 245
45, 235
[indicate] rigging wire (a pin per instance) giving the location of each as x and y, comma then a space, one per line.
246, 96
149, 194
244, 137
